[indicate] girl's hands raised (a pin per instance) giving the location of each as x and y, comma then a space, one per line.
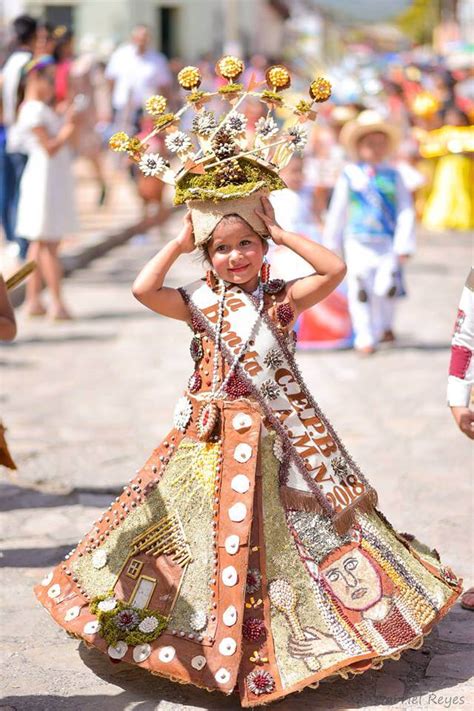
267, 215
185, 238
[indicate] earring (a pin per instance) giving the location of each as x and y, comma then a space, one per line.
211, 278
265, 272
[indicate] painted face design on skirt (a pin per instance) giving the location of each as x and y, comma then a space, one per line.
354, 580
236, 252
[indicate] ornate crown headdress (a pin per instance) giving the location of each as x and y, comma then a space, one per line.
223, 169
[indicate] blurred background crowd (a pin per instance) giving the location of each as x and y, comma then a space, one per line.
92, 65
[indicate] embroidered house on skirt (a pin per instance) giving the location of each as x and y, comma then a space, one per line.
152, 573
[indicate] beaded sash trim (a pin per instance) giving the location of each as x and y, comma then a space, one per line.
322, 476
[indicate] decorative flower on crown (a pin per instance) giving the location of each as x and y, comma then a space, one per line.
156, 105
189, 77
204, 123
178, 142
119, 141
278, 77
298, 138
230, 67
266, 127
152, 164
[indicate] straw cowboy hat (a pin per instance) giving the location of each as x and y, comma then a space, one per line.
367, 122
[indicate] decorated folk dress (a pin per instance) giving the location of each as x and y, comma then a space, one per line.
248, 552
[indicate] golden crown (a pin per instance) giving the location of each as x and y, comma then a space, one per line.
219, 158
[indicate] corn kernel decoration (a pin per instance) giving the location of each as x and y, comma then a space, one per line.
278, 77
320, 90
189, 78
156, 105
230, 67
119, 142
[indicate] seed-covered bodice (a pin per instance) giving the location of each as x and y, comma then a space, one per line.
203, 350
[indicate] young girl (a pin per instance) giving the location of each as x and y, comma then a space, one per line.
247, 551
46, 205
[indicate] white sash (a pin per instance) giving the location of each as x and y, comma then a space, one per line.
321, 474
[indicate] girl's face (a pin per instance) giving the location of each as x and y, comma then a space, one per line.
236, 253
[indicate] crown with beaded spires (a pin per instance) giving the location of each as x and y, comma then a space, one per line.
220, 161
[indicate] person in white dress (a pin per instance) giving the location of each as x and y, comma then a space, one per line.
46, 204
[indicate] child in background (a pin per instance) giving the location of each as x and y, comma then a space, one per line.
372, 220
46, 205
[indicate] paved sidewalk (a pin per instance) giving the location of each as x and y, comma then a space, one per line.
85, 402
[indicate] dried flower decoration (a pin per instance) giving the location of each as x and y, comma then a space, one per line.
274, 358
298, 138
127, 619
230, 67
278, 77
152, 164
119, 142
204, 123
236, 124
269, 389
156, 105
254, 579
266, 127
148, 624
260, 681
253, 629
178, 142
189, 78
320, 90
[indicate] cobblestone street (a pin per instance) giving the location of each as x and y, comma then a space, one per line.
86, 401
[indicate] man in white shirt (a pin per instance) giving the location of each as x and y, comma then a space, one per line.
13, 162
135, 72
461, 378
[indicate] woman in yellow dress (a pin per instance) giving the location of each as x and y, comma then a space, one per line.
450, 204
